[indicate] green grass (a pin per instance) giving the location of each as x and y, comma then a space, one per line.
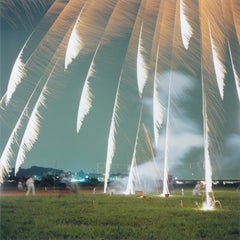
119, 217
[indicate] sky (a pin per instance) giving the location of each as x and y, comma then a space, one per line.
59, 145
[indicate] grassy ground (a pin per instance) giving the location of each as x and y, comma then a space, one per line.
103, 216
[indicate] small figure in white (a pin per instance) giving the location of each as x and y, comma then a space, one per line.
30, 186
182, 192
20, 185
197, 189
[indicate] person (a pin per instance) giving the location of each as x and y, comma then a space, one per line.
67, 185
30, 186
170, 183
197, 189
20, 185
65, 182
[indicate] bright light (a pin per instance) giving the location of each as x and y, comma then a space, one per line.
207, 207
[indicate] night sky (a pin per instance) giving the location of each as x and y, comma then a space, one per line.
58, 144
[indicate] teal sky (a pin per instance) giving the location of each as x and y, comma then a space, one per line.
60, 146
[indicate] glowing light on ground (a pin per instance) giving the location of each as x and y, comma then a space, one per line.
210, 203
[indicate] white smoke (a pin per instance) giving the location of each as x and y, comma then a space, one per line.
148, 179
185, 132
231, 157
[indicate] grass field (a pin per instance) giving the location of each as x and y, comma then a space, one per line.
104, 216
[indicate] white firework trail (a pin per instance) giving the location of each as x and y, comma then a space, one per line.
17, 74
142, 73
111, 147
8, 153
219, 67
207, 205
186, 29
2, 101
85, 102
31, 132
75, 43
133, 168
157, 106
165, 173
19, 68
236, 77
111, 139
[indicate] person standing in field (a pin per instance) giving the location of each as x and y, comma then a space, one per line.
30, 186
170, 183
20, 185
